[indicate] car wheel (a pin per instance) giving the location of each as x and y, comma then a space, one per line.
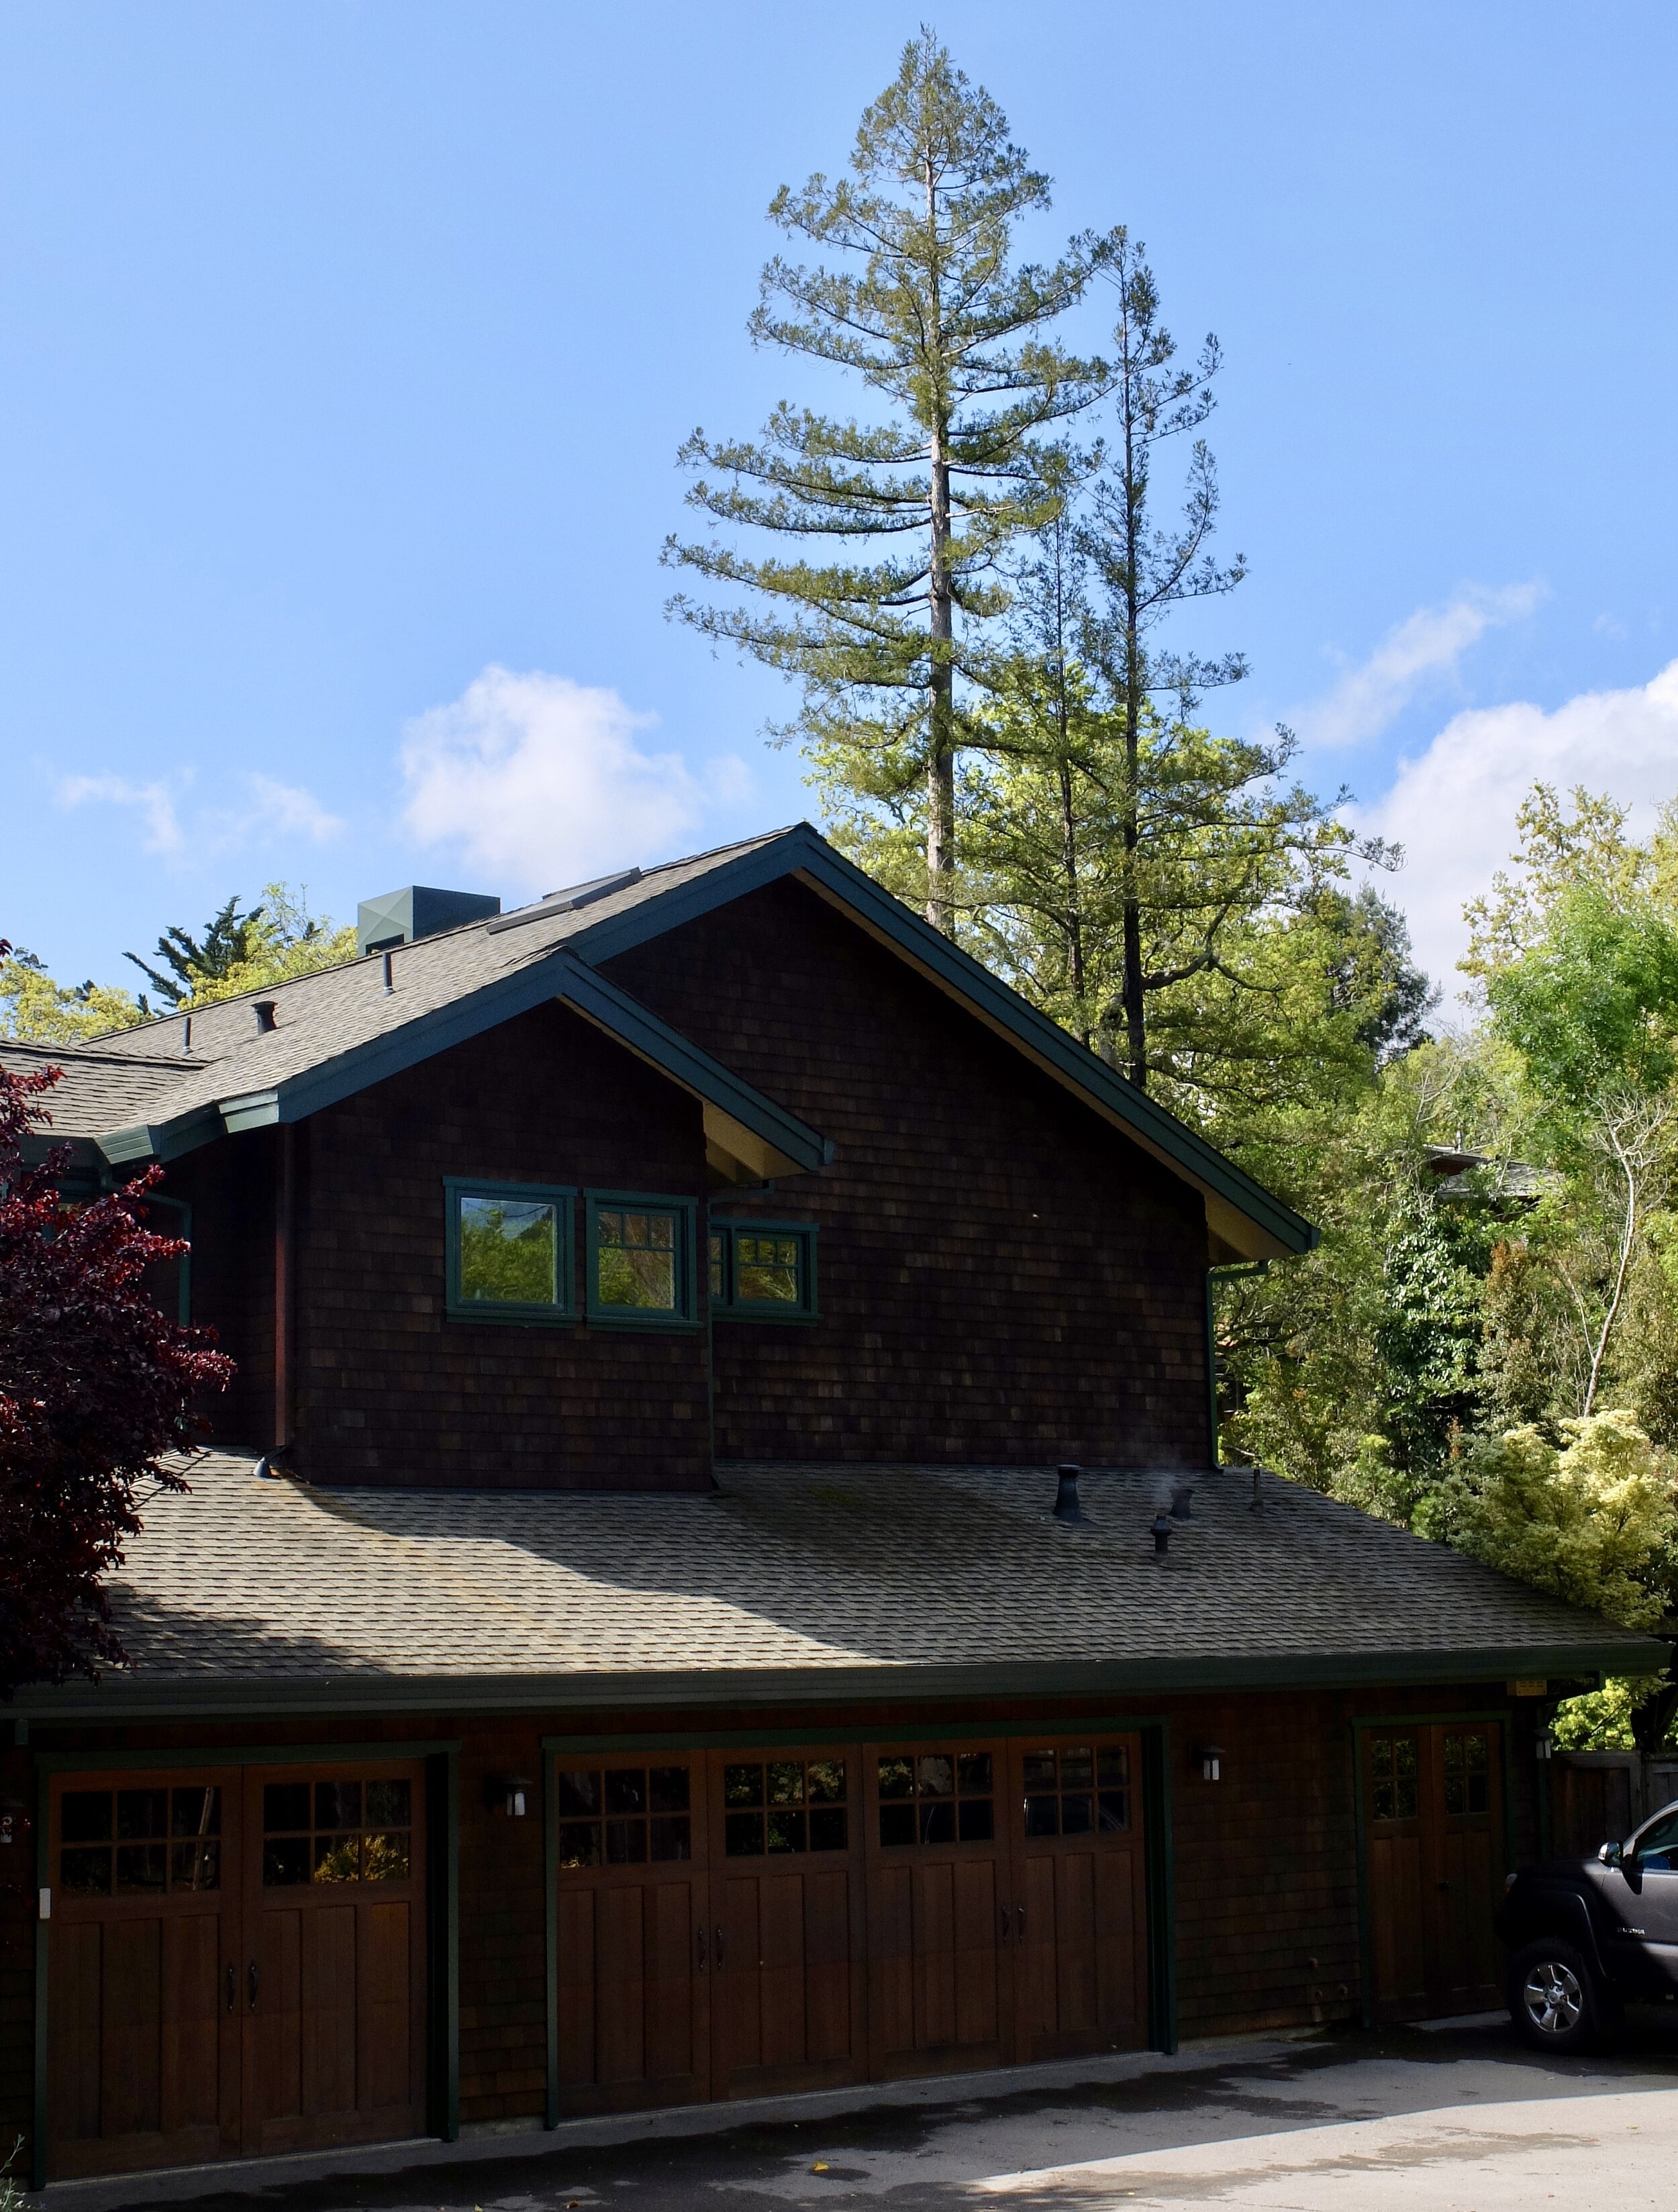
1553, 1998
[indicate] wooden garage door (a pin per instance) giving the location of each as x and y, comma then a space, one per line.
742, 1923
236, 1963
1433, 1864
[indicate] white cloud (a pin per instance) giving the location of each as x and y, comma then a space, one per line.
1420, 654
289, 807
156, 806
1454, 809
541, 782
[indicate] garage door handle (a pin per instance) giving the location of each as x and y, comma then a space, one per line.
233, 1985
256, 1984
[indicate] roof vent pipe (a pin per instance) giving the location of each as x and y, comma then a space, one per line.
1181, 1509
265, 1014
1066, 1507
1162, 1535
186, 1036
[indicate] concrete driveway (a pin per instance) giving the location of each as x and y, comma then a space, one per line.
1455, 2120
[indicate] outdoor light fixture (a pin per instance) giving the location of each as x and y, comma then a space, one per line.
511, 1796
1212, 1759
1543, 1746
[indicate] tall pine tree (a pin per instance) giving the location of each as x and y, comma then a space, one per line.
940, 323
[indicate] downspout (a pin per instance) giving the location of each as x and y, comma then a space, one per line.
1228, 1274
285, 1210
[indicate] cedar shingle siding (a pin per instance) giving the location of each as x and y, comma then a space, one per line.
1003, 1278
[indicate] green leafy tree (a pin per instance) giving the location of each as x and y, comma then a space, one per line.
34, 1007
952, 337
229, 939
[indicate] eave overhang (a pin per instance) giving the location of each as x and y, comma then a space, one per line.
127, 1698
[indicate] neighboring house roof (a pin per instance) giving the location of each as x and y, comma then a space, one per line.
796, 1584
1502, 1184
340, 1029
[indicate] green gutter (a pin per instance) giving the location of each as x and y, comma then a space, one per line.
200, 1698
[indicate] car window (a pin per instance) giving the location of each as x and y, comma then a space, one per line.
1658, 1846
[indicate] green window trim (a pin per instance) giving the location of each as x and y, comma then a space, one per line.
729, 1242
559, 1312
610, 1215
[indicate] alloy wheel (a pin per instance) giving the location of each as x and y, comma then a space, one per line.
1552, 1997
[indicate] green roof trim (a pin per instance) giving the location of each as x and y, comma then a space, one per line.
801, 851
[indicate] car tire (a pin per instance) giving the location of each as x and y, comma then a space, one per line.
1555, 2000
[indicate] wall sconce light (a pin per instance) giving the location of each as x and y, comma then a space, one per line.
511, 1796
1543, 1746
1210, 1757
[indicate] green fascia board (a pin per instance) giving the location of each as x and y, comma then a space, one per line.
802, 850
129, 1696
559, 974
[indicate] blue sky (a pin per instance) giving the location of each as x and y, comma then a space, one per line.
345, 348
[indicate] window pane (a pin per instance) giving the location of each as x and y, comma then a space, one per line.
1078, 1815
827, 1781
338, 1804
579, 1843
389, 1805
1404, 1778
896, 1778
938, 1821
896, 1824
285, 1860
1113, 1767
626, 1843
196, 1813
626, 1790
973, 1773
142, 1812
829, 1830
743, 1835
645, 1281
140, 1866
86, 1816
1113, 1811
786, 1782
509, 1251
336, 1858
667, 1788
718, 1290
387, 1857
742, 1785
977, 1820
195, 1865
1077, 1770
935, 1774
285, 1805
1040, 1770
1042, 1816
670, 1839
85, 1873
786, 1829
579, 1793
766, 1270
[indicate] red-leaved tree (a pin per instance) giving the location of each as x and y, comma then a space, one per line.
95, 1385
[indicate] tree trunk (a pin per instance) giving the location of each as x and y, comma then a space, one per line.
941, 702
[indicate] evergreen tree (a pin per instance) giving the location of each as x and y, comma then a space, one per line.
940, 325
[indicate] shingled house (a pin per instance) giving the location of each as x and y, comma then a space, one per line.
621, 1647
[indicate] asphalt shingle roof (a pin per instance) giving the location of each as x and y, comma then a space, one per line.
149, 1076
800, 1582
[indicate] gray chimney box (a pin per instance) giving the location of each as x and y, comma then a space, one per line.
401, 917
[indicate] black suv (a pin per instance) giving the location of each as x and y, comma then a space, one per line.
1586, 1935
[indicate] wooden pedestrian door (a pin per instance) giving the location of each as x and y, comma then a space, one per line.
236, 1963
1433, 1866
733, 1924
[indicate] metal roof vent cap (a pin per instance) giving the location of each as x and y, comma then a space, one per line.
1066, 1507
1181, 1509
1161, 1534
265, 1014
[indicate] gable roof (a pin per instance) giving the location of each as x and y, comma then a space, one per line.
795, 1584
339, 1030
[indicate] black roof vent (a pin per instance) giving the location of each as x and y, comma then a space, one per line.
1181, 1509
1066, 1507
567, 902
265, 1012
402, 917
